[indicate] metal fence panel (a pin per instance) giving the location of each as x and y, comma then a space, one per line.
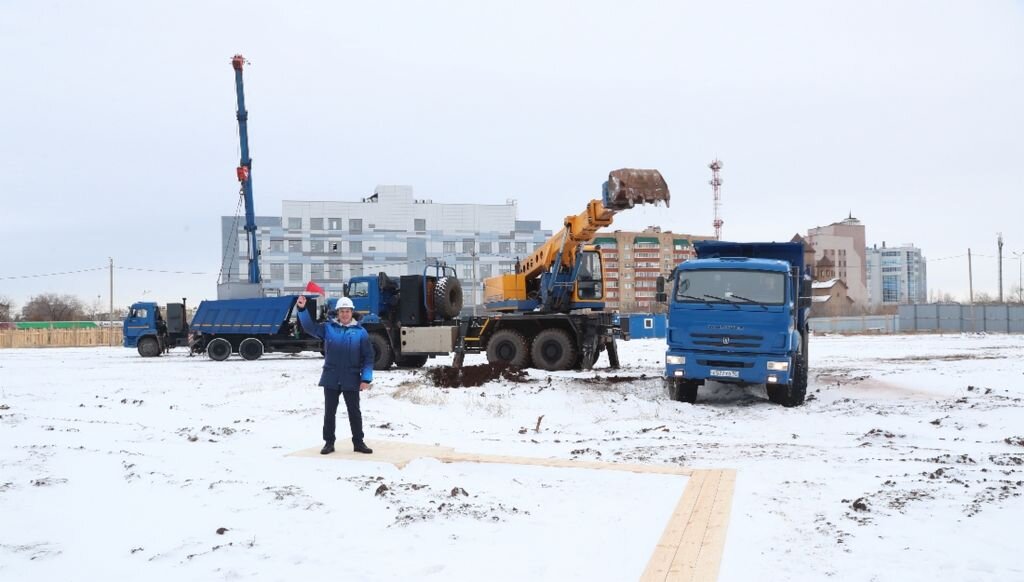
1015, 319
996, 318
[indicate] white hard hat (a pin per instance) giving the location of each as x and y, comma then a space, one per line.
344, 303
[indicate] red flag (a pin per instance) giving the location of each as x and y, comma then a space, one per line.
314, 288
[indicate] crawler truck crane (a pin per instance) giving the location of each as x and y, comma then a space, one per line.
550, 312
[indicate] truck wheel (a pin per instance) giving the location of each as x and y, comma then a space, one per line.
508, 346
682, 390
795, 393
552, 350
149, 347
218, 349
251, 348
382, 353
448, 297
416, 361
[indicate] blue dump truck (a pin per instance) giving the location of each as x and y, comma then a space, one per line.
247, 327
410, 319
738, 314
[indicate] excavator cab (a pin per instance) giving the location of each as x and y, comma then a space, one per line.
589, 278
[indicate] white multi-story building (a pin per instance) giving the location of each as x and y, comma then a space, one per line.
896, 275
330, 241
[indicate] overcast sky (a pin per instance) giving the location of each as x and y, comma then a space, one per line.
118, 132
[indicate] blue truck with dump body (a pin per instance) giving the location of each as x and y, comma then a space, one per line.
409, 318
738, 314
248, 327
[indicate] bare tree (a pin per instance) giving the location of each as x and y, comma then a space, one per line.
53, 307
983, 297
6, 308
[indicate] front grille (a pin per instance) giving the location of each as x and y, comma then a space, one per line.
725, 364
724, 339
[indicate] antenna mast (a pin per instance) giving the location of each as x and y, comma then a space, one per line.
716, 188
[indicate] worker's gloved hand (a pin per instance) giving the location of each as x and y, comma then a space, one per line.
301, 302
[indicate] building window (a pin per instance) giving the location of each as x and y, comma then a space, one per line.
890, 288
505, 248
316, 224
336, 271
294, 245
316, 271
357, 270
277, 271
355, 225
449, 247
294, 223
276, 245
355, 246
520, 248
485, 248
467, 273
419, 224
468, 245
335, 246
316, 246
295, 271
334, 223
485, 270
506, 267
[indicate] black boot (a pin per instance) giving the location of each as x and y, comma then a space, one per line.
360, 447
328, 448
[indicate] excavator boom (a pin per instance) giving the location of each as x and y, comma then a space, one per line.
624, 189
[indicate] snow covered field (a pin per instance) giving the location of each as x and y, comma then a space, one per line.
905, 464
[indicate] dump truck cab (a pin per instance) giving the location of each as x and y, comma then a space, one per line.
153, 331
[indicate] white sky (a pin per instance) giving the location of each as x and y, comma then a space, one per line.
118, 139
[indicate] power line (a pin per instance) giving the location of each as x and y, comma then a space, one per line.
162, 271
52, 274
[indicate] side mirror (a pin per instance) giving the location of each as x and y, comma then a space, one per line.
659, 285
344, 289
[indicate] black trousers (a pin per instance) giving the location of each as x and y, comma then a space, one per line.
355, 417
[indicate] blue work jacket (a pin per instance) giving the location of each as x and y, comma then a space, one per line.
348, 354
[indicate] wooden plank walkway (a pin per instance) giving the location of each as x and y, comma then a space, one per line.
690, 548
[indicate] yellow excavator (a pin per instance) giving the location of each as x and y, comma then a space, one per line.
550, 313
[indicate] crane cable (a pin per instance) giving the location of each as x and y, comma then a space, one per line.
233, 246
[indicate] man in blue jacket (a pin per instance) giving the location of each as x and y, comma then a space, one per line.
348, 368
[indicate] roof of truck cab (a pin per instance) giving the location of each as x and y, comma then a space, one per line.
736, 264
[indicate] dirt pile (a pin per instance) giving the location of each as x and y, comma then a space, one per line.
468, 376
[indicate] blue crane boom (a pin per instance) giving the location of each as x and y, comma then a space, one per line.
245, 173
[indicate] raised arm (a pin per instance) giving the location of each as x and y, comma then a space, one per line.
308, 325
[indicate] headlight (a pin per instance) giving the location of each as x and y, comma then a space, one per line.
778, 366
678, 360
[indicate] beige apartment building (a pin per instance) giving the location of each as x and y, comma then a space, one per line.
840, 252
634, 260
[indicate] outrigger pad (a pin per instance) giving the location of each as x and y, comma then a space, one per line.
628, 187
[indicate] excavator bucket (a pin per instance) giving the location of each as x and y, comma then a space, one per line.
628, 187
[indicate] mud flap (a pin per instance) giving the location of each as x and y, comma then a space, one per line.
613, 353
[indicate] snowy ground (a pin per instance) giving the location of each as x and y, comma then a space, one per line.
906, 464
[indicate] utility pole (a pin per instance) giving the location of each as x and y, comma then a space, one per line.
1020, 280
110, 314
999, 238
970, 276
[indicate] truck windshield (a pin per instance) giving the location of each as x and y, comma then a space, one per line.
723, 286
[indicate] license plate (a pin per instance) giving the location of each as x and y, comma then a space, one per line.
725, 373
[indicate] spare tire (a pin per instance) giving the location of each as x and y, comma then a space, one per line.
448, 297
